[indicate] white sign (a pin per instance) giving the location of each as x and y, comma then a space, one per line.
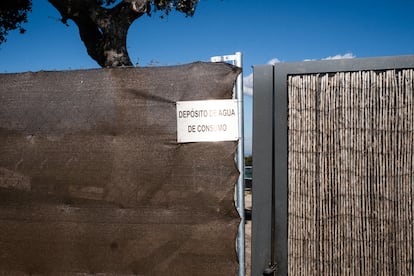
207, 121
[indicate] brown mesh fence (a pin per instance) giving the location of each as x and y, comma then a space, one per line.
351, 168
92, 180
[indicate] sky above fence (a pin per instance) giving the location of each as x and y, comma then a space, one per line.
265, 31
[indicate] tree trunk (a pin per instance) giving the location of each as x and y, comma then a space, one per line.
103, 31
114, 48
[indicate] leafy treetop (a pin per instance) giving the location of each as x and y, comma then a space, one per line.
13, 13
103, 24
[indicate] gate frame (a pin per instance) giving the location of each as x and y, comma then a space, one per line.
270, 151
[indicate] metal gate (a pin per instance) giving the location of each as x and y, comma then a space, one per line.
333, 167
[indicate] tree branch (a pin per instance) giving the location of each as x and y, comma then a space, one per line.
131, 9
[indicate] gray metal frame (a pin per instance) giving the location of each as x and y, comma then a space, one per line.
270, 152
262, 187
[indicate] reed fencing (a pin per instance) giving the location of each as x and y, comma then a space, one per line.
351, 168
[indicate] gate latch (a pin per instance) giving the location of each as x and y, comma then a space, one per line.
270, 270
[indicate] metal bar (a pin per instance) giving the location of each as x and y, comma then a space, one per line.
236, 59
240, 163
280, 168
344, 65
263, 178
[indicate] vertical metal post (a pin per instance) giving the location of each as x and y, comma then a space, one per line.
240, 164
263, 164
237, 61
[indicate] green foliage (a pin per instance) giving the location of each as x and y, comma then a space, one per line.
185, 6
13, 13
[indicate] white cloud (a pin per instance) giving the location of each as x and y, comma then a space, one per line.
273, 61
248, 80
248, 85
339, 56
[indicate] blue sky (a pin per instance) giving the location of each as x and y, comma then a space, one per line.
263, 30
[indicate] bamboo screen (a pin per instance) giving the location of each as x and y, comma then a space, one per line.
351, 169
